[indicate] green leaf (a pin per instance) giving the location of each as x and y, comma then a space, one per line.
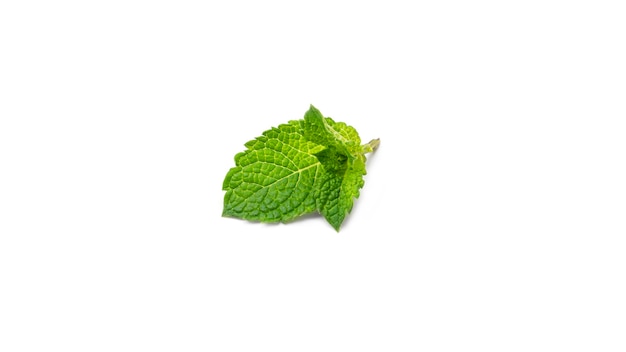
313, 164
338, 192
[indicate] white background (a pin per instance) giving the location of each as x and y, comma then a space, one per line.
492, 218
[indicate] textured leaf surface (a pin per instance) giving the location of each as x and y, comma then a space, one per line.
314, 164
274, 179
339, 191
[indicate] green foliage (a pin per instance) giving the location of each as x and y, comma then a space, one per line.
313, 164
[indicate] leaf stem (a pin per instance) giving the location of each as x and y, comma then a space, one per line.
371, 146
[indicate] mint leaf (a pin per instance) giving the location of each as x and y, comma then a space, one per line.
313, 164
338, 191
